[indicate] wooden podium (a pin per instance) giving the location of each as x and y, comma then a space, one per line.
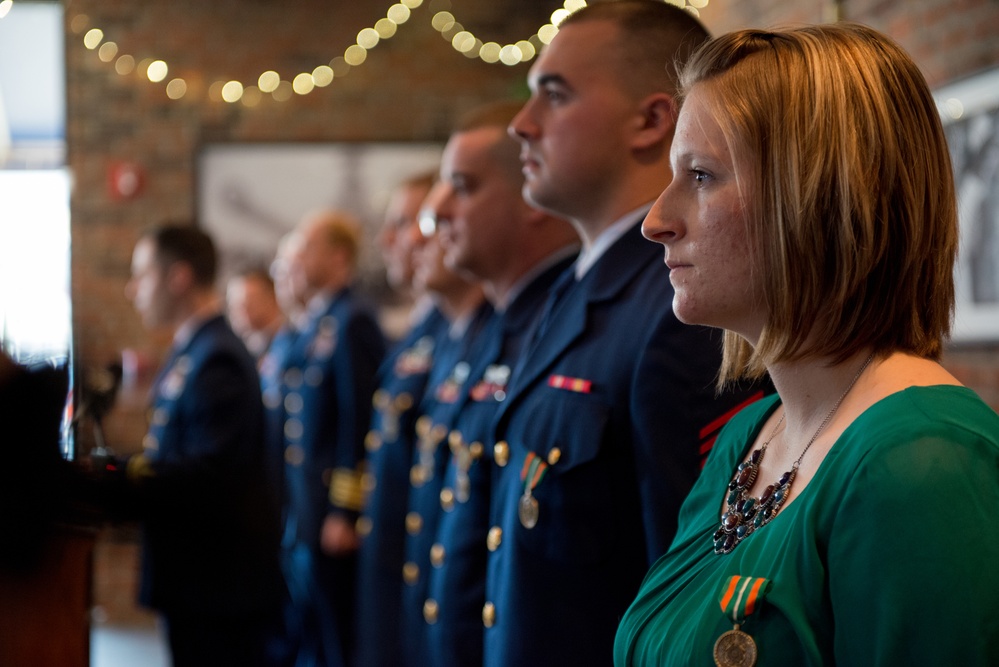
45, 610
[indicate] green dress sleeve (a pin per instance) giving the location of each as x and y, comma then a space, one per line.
913, 554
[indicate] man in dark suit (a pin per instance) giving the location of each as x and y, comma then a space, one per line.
209, 518
327, 380
599, 437
489, 232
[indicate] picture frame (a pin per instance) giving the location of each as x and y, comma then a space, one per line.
969, 110
249, 195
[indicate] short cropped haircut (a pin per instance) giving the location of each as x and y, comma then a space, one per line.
850, 193
179, 242
499, 115
659, 39
260, 274
340, 230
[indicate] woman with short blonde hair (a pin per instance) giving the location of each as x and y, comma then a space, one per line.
848, 519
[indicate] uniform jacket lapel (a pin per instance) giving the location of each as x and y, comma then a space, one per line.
612, 273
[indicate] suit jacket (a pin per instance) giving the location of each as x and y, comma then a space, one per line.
389, 443
210, 524
457, 578
327, 382
600, 432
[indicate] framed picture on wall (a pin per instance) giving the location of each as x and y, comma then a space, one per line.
249, 195
970, 113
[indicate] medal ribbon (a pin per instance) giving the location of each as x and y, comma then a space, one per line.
741, 595
533, 472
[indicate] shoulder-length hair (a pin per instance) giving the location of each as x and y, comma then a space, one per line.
853, 214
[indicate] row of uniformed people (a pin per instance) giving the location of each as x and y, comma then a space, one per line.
549, 460
316, 381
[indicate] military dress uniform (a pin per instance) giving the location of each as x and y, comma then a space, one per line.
326, 383
456, 588
445, 385
596, 446
389, 444
210, 528
271, 367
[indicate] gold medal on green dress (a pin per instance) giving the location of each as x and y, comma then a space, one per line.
740, 597
735, 649
531, 475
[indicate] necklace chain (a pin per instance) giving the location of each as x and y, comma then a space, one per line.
744, 513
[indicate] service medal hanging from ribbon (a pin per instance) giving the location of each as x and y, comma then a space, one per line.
740, 597
531, 475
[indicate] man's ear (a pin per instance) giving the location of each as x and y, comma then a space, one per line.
179, 277
655, 121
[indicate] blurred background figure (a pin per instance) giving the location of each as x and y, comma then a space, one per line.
397, 240
323, 404
389, 444
210, 524
253, 309
462, 302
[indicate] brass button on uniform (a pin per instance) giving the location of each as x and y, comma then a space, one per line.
272, 399
447, 499
494, 538
423, 425
554, 455
416, 476
488, 614
430, 611
414, 522
293, 403
403, 402
410, 573
501, 453
437, 555
454, 440
372, 441
294, 455
293, 429
476, 449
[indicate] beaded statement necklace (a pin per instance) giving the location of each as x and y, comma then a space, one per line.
744, 513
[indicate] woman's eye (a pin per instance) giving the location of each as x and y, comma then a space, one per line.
700, 177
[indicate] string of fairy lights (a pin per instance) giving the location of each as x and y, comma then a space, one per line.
270, 82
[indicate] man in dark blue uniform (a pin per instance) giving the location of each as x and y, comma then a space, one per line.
402, 379
490, 232
468, 313
210, 522
327, 380
599, 437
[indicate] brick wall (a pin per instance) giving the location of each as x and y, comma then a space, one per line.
410, 89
